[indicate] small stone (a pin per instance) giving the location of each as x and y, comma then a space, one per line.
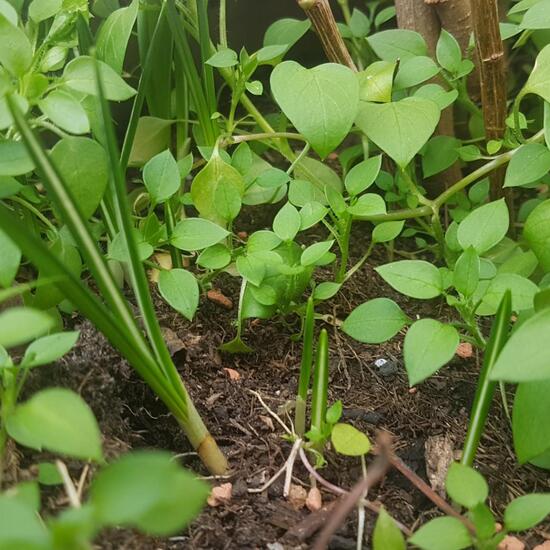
464, 350
314, 501
219, 299
544, 546
267, 421
297, 496
220, 495
233, 374
511, 543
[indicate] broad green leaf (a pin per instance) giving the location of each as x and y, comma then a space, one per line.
428, 346
313, 253
119, 251
252, 268
300, 192
397, 44
270, 53
437, 94
79, 74
40, 10
19, 325
466, 272
15, 48
386, 535
181, 290
223, 59
440, 153
196, 234
214, 257
536, 232
262, 240
65, 111
448, 52
526, 511
414, 71
523, 263
321, 102
362, 175
537, 16
399, 128
147, 490
11, 258
415, 278
524, 358
485, 227
531, 432
326, 290
319, 174
152, 137
359, 24
14, 159
376, 81
466, 486
161, 176
528, 165
9, 186
114, 34
9, 12
539, 79
349, 441
20, 526
448, 529
286, 31
58, 420
49, 348
48, 474
387, 231
203, 189
523, 293
375, 321
84, 167
227, 200
369, 204
287, 222
312, 213
272, 178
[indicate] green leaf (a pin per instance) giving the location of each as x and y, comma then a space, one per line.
181, 290
19, 325
82, 162
287, 222
369, 204
414, 71
523, 293
440, 153
118, 249
375, 321
196, 234
466, 486
362, 175
397, 44
386, 535
528, 165
437, 94
15, 48
49, 348
252, 268
399, 128
319, 174
448, 52
387, 231
428, 346
214, 257
11, 258
40, 10
217, 173
326, 290
262, 240
65, 111
466, 272
9, 12
448, 529
526, 511
21, 527
536, 232
223, 59
58, 420
523, 358
147, 490
349, 441
485, 227
415, 278
114, 34
537, 16
539, 79
312, 213
161, 176
152, 137
320, 102
313, 253
531, 433
79, 75
227, 200
286, 31
376, 81
48, 474
359, 24
14, 159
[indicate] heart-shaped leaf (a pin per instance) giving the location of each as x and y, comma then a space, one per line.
321, 102
400, 128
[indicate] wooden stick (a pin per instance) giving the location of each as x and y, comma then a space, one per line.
492, 68
323, 22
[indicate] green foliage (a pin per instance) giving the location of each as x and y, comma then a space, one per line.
386, 535
415, 278
466, 486
349, 441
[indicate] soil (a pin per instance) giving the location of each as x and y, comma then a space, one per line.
374, 398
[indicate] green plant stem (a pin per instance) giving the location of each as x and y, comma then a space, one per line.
485, 387
343, 242
31, 208
267, 135
223, 24
303, 153
305, 369
175, 253
320, 384
360, 263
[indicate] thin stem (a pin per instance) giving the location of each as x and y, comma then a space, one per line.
266, 135
360, 263
305, 369
223, 24
26, 204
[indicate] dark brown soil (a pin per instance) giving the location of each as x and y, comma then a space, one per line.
374, 398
